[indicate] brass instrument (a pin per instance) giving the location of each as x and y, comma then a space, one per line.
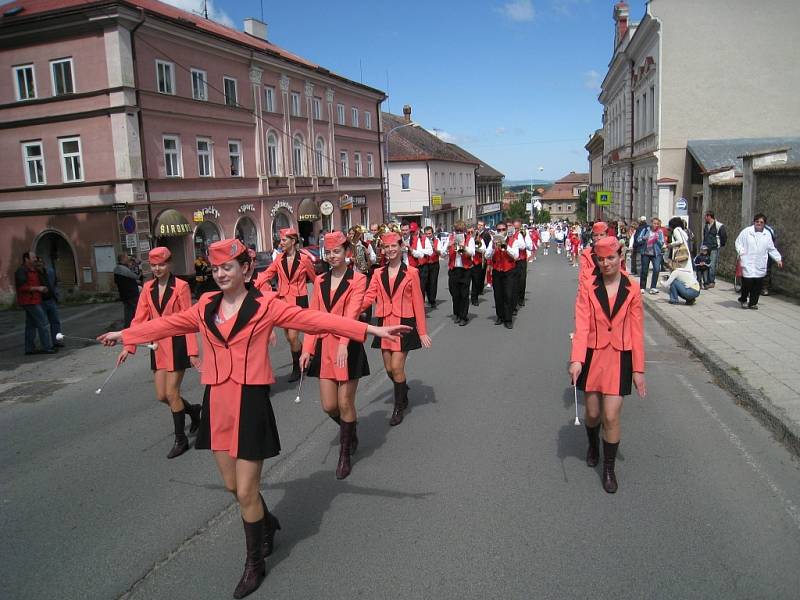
459, 242
499, 241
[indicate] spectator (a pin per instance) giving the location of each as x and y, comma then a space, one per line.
29, 298
637, 246
715, 236
679, 241
651, 245
128, 285
768, 277
753, 246
50, 299
702, 264
682, 282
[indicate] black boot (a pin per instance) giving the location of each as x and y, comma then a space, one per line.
193, 410
181, 444
609, 459
354, 439
405, 395
295, 367
593, 452
271, 525
254, 568
397, 413
345, 439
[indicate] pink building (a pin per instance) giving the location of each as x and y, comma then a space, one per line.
131, 123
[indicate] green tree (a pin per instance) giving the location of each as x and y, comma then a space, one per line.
580, 212
543, 216
516, 210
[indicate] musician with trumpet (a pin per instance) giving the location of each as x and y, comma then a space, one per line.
502, 253
460, 250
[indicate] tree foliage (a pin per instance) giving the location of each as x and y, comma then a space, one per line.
516, 210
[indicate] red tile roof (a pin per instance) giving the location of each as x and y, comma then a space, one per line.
667, 180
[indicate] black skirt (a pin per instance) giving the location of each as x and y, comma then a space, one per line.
180, 355
302, 301
357, 363
409, 341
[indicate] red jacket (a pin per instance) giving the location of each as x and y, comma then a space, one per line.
403, 301
292, 279
26, 279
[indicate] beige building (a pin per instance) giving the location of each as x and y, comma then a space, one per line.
595, 149
561, 199
717, 69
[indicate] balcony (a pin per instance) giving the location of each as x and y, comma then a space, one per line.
644, 145
278, 183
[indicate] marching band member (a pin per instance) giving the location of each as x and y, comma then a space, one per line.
294, 270
522, 262
503, 252
478, 273
419, 254
607, 353
337, 361
535, 238
431, 287
162, 296
396, 290
238, 423
546, 235
460, 250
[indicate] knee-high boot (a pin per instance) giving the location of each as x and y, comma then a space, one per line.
271, 525
593, 452
254, 568
345, 440
295, 367
609, 460
193, 410
400, 403
181, 444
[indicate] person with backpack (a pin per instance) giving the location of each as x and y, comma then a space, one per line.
651, 250
637, 245
715, 236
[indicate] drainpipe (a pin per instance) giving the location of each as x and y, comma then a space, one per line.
630, 173
384, 192
142, 147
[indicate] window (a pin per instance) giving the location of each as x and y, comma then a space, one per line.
272, 153
345, 219
317, 106
344, 164
269, 99
199, 85
365, 216
172, 156
320, 163
327, 222
229, 85
61, 72
295, 104
297, 156
368, 120
165, 77
235, 156
405, 181
370, 166
357, 163
205, 163
25, 82
71, 163
33, 157
354, 116
652, 111
340, 114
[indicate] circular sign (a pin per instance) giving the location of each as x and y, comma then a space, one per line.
326, 208
682, 204
129, 224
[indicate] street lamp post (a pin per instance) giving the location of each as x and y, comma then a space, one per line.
387, 208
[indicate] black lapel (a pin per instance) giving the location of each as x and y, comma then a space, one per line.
343, 285
285, 264
622, 295
295, 264
400, 276
167, 294
325, 290
208, 316
154, 295
385, 280
248, 308
602, 295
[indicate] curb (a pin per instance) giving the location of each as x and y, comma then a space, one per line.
785, 430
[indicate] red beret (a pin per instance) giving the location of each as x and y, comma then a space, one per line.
413, 226
334, 239
600, 227
288, 232
223, 251
159, 255
606, 247
390, 238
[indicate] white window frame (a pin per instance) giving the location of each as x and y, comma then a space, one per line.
177, 153
235, 102
171, 83
316, 105
298, 162
367, 120
64, 157
59, 61
17, 89
357, 164
344, 215
344, 163
340, 114
26, 161
202, 93
354, 116
405, 182
209, 154
274, 170
295, 104
269, 98
236, 154
370, 166
365, 216
320, 159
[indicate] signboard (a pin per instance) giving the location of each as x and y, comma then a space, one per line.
144, 246
681, 204
436, 200
326, 208
359, 200
603, 198
280, 204
197, 216
211, 212
345, 202
243, 208
104, 259
131, 240
485, 209
129, 224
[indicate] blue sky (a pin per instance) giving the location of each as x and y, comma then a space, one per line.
515, 82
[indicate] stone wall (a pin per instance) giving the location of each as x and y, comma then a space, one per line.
726, 204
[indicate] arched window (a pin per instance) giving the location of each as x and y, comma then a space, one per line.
297, 156
272, 154
320, 160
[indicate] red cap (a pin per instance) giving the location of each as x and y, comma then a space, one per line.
606, 247
288, 232
159, 255
600, 227
334, 239
223, 251
390, 238
413, 226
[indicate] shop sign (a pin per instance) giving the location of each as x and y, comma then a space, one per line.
144, 246
279, 205
211, 212
197, 216
326, 208
308, 210
436, 200
345, 202
131, 240
359, 200
485, 209
243, 208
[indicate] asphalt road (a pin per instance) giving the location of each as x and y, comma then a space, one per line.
481, 492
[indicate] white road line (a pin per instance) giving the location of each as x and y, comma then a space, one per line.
737, 443
650, 339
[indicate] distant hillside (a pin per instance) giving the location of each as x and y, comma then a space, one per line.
512, 183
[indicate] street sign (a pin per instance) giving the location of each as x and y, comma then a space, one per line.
682, 204
144, 246
436, 200
603, 198
129, 224
131, 240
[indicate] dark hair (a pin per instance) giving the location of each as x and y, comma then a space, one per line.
428, 228
675, 222
244, 258
25, 256
760, 216
710, 213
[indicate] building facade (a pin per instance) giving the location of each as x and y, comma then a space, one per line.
595, 149
134, 124
488, 190
561, 199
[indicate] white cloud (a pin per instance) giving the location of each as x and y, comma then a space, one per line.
567, 8
592, 80
518, 10
500, 131
445, 136
196, 6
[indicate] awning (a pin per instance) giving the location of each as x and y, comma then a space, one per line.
171, 223
308, 210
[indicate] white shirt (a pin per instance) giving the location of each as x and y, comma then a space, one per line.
513, 248
469, 250
545, 236
753, 247
424, 248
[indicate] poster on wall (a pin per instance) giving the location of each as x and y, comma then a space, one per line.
104, 259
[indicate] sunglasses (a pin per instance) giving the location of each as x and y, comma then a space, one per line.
503, 229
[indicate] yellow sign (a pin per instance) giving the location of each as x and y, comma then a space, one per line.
436, 200
197, 216
603, 198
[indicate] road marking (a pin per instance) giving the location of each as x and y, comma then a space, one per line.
737, 443
650, 339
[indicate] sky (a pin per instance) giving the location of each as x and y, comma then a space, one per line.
515, 82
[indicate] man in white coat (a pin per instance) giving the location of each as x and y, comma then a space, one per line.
753, 246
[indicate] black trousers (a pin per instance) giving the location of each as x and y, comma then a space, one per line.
458, 282
751, 290
504, 290
522, 279
424, 273
477, 274
432, 283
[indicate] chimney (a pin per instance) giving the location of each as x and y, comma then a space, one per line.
621, 13
256, 28
407, 113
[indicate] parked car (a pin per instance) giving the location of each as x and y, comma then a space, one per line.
263, 260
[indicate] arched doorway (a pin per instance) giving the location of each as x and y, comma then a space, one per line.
56, 253
281, 220
206, 234
247, 232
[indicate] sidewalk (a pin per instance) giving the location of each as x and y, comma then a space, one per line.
754, 354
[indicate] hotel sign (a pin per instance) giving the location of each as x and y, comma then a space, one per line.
279, 205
